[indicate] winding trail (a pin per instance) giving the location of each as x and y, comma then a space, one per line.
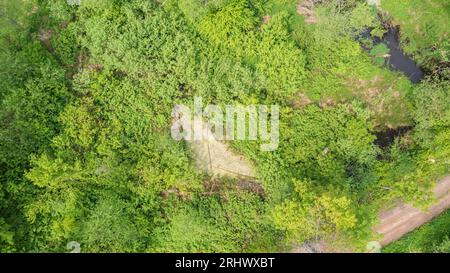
404, 218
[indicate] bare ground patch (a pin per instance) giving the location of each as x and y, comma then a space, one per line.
216, 158
306, 8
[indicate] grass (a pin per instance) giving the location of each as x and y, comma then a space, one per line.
423, 33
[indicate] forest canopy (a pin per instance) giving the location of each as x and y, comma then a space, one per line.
87, 90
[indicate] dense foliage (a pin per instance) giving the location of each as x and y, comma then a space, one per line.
86, 98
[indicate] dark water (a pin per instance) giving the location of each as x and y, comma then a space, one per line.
386, 138
398, 60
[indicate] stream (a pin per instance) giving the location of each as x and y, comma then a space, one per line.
397, 59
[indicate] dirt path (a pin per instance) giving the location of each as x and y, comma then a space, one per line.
216, 158
396, 222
